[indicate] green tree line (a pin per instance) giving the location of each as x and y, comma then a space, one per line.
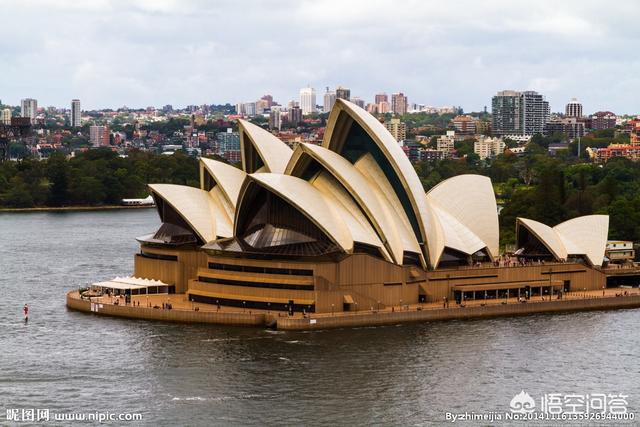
552, 189
97, 177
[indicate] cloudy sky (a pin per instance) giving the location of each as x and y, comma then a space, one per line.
111, 53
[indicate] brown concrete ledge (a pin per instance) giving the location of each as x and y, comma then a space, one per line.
347, 320
74, 302
75, 208
472, 312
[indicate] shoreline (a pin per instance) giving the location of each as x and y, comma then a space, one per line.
73, 208
276, 320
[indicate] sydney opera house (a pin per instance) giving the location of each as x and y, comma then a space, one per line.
347, 225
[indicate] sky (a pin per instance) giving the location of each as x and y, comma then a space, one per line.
139, 53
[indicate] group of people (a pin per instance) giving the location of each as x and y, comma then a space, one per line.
508, 261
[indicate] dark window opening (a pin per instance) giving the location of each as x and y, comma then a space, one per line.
364, 248
209, 181
272, 225
174, 229
530, 247
255, 284
411, 258
253, 304
163, 257
253, 160
255, 269
453, 258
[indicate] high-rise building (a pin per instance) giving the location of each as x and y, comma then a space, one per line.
99, 135
308, 100
446, 143
572, 127
519, 113
486, 147
358, 101
229, 145
603, 120
29, 108
384, 107
76, 113
397, 128
343, 93
464, 125
295, 115
247, 109
250, 109
262, 106
381, 97
269, 99
6, 116
399, 103
274, 120
329, 100
573, 108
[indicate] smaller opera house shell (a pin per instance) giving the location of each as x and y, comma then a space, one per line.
325, 228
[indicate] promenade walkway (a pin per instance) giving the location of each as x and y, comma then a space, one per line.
180, 302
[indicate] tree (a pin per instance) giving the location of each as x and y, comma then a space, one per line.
58, 174
18, 195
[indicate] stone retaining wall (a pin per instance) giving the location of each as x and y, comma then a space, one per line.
223, 318
497, 310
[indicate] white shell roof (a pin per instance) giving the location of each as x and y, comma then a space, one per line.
546, 235
274, 153
368, 167
397, 159
310, 201
584, 235
457, 235
366, 193
224, 213
465, 207
228, 177
345, 207
195, 206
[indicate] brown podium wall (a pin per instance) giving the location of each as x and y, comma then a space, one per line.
359, 278
176, 272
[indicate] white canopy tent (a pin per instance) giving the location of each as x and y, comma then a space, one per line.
133, 286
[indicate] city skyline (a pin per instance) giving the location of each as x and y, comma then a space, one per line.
459, 54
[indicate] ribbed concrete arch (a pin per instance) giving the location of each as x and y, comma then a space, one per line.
585, 235
466, 209
347, 121
546, 235
261, 151
457, 234
195, 206
307, 199
370, 169
228, 177
364, 192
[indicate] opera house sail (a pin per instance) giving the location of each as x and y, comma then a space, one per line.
325, 228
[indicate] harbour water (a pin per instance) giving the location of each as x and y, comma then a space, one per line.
176, 374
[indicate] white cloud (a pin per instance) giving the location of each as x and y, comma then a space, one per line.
152, 52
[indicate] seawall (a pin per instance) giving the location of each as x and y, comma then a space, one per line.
349, 319
475, 312
74, 302
74, 208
